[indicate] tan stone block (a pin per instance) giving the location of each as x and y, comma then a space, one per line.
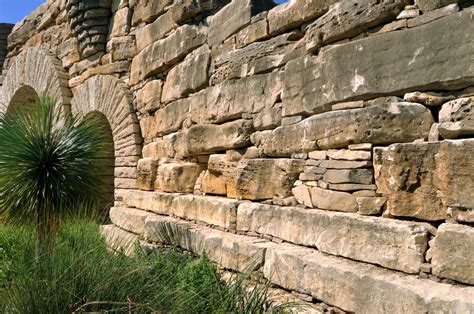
345, 154
361, 176
157, 202
146, 173
177, 177
332, 200
130, 219
456, 118
370, 205
149, 97
301, 192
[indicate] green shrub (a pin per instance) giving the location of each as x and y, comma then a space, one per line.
85, 276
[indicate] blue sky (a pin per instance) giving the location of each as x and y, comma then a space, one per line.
12, 11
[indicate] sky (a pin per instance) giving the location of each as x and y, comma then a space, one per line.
12, 11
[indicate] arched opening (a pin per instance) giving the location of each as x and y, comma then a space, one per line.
107, 178
23, 98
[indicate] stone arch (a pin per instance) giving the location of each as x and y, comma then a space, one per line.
111, 98
37, 70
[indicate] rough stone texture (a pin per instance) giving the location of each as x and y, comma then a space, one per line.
146, 173
378, 124
433, 15
393, 244
423, 180
429, 5
457, 118
362, 176
122, 48
301, 192
450, 253
164, 53
189, 76
177, 177
428, 99
216, 211
361, 288
333, 200
233, 17
130, 219
119, 239
349, 18
157, 202
149, 97
148, 10
155, 31
433, 56
290, 15
370, 205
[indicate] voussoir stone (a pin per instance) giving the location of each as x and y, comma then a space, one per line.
456, 118
451, 253
378, 124
433, 56
393, 244
424, 180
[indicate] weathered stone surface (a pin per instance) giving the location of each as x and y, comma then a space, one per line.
362, 176
226, 101
177, 177
352, 187
146, 171
361, 288
429, 5
378, 124
370, 205
393, 244
120, 22
349, 154
461, 214
301, 192
216, 211
451, 253
155, 31
157, 202
433, 56
122, 48
268, 118
148, 10
162, 54
210, 138
119, 239
457, 118
256, 31
235, 252
333, 200
344, 164
233, 17
346, 19
187, 77
428, 99
423, 180
161, 148
294, 13
256, 58
433, 15
130, 219
149, 97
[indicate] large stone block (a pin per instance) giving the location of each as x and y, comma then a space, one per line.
433, 56
226, 101
333, 200
399, 245
429, 5
164, 53
451, 253
379, 124
148, 10
149, 97
361, 288
189, 76
155, 31
233, 17
218, 211
177, 177
119, 239
146, 173
130, 219
456, 118
346, 19
424, 180
292, 14
210, 138
362, 176
157, 202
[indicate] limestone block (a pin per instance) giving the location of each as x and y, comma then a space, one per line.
428, 99
157, 202
120, 22
461, 214
361, 288
187, 77
155, 31
216, 211
226, 101
378, 124
119, 239
164, 53
147, 11
333, 200
177, 177
214, 184
345, 154
423, 180
292, 14
362, 176
219, 178
268, 118
122, 48
257, 179
429, 5
233, 17
302, 195
130, 219
370, 205
451, 253
344, 164
433, 56
457, 118
352, 187
209, 138
433, 15
149, 97
399, 245
146, 173
256, 58
161, 148
256, 31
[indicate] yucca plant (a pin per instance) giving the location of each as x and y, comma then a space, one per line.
47, 171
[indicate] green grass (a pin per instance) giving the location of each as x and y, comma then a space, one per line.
84, 275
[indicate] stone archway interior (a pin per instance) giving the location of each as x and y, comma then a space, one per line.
23, 98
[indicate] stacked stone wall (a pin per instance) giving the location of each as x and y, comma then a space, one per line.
327, 145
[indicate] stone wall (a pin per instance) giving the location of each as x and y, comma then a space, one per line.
328, 145
5, 30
